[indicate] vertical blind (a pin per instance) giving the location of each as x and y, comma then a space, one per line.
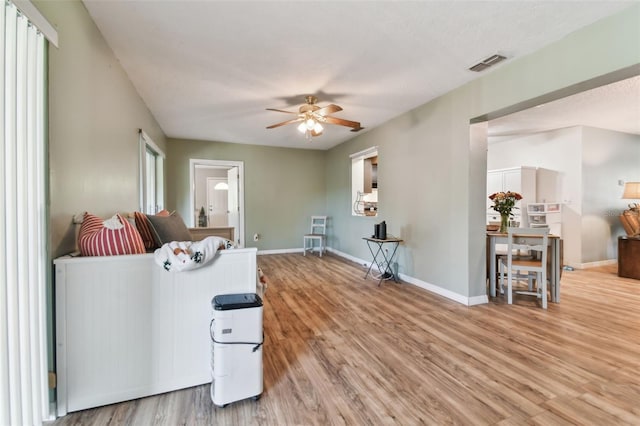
24, 396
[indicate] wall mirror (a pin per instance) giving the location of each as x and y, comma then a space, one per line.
364, 182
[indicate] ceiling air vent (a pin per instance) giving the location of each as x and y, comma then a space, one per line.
486, 63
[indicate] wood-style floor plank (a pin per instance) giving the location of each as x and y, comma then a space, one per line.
339, 350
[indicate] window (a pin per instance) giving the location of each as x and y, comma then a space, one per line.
364, 182
151, 175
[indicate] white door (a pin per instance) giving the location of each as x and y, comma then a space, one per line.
216, 202
233, 205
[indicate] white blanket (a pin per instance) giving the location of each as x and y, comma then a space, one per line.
186, 255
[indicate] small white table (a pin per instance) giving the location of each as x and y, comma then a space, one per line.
494, 238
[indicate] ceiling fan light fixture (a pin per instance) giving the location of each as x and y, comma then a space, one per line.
310, 116
310, 123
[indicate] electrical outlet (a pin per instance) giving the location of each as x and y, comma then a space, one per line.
256, 237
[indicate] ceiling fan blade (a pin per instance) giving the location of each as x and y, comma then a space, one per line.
342, 122
281, 110
329, 109
295, 120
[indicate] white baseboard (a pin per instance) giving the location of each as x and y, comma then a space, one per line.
351, 258
468, 301
478, 300
596, 264
280, 251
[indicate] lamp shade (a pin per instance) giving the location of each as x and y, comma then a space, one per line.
310, 122
631, 191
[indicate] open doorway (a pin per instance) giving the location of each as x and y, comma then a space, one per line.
217, 196
582, 147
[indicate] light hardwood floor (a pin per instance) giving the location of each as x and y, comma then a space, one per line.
340, 350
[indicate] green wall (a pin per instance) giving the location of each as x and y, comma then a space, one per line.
284, 187
94, 117
432, 174
606, 157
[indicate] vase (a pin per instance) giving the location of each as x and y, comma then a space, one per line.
504, 223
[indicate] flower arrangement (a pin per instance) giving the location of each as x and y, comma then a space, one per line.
504, 203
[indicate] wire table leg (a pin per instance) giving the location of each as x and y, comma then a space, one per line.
384, 264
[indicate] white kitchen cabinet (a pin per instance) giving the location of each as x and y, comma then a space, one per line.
370, 174
516, 179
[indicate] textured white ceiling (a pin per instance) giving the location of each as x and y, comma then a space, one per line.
615, 107
208, 69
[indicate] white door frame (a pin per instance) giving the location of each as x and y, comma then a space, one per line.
220, 164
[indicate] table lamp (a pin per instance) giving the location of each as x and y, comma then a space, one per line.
631, 218
631, 191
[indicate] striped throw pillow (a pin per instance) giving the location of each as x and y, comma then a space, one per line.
111, 237
145, 228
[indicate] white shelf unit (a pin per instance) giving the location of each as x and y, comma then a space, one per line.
546, 215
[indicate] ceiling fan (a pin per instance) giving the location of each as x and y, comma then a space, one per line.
311, 118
